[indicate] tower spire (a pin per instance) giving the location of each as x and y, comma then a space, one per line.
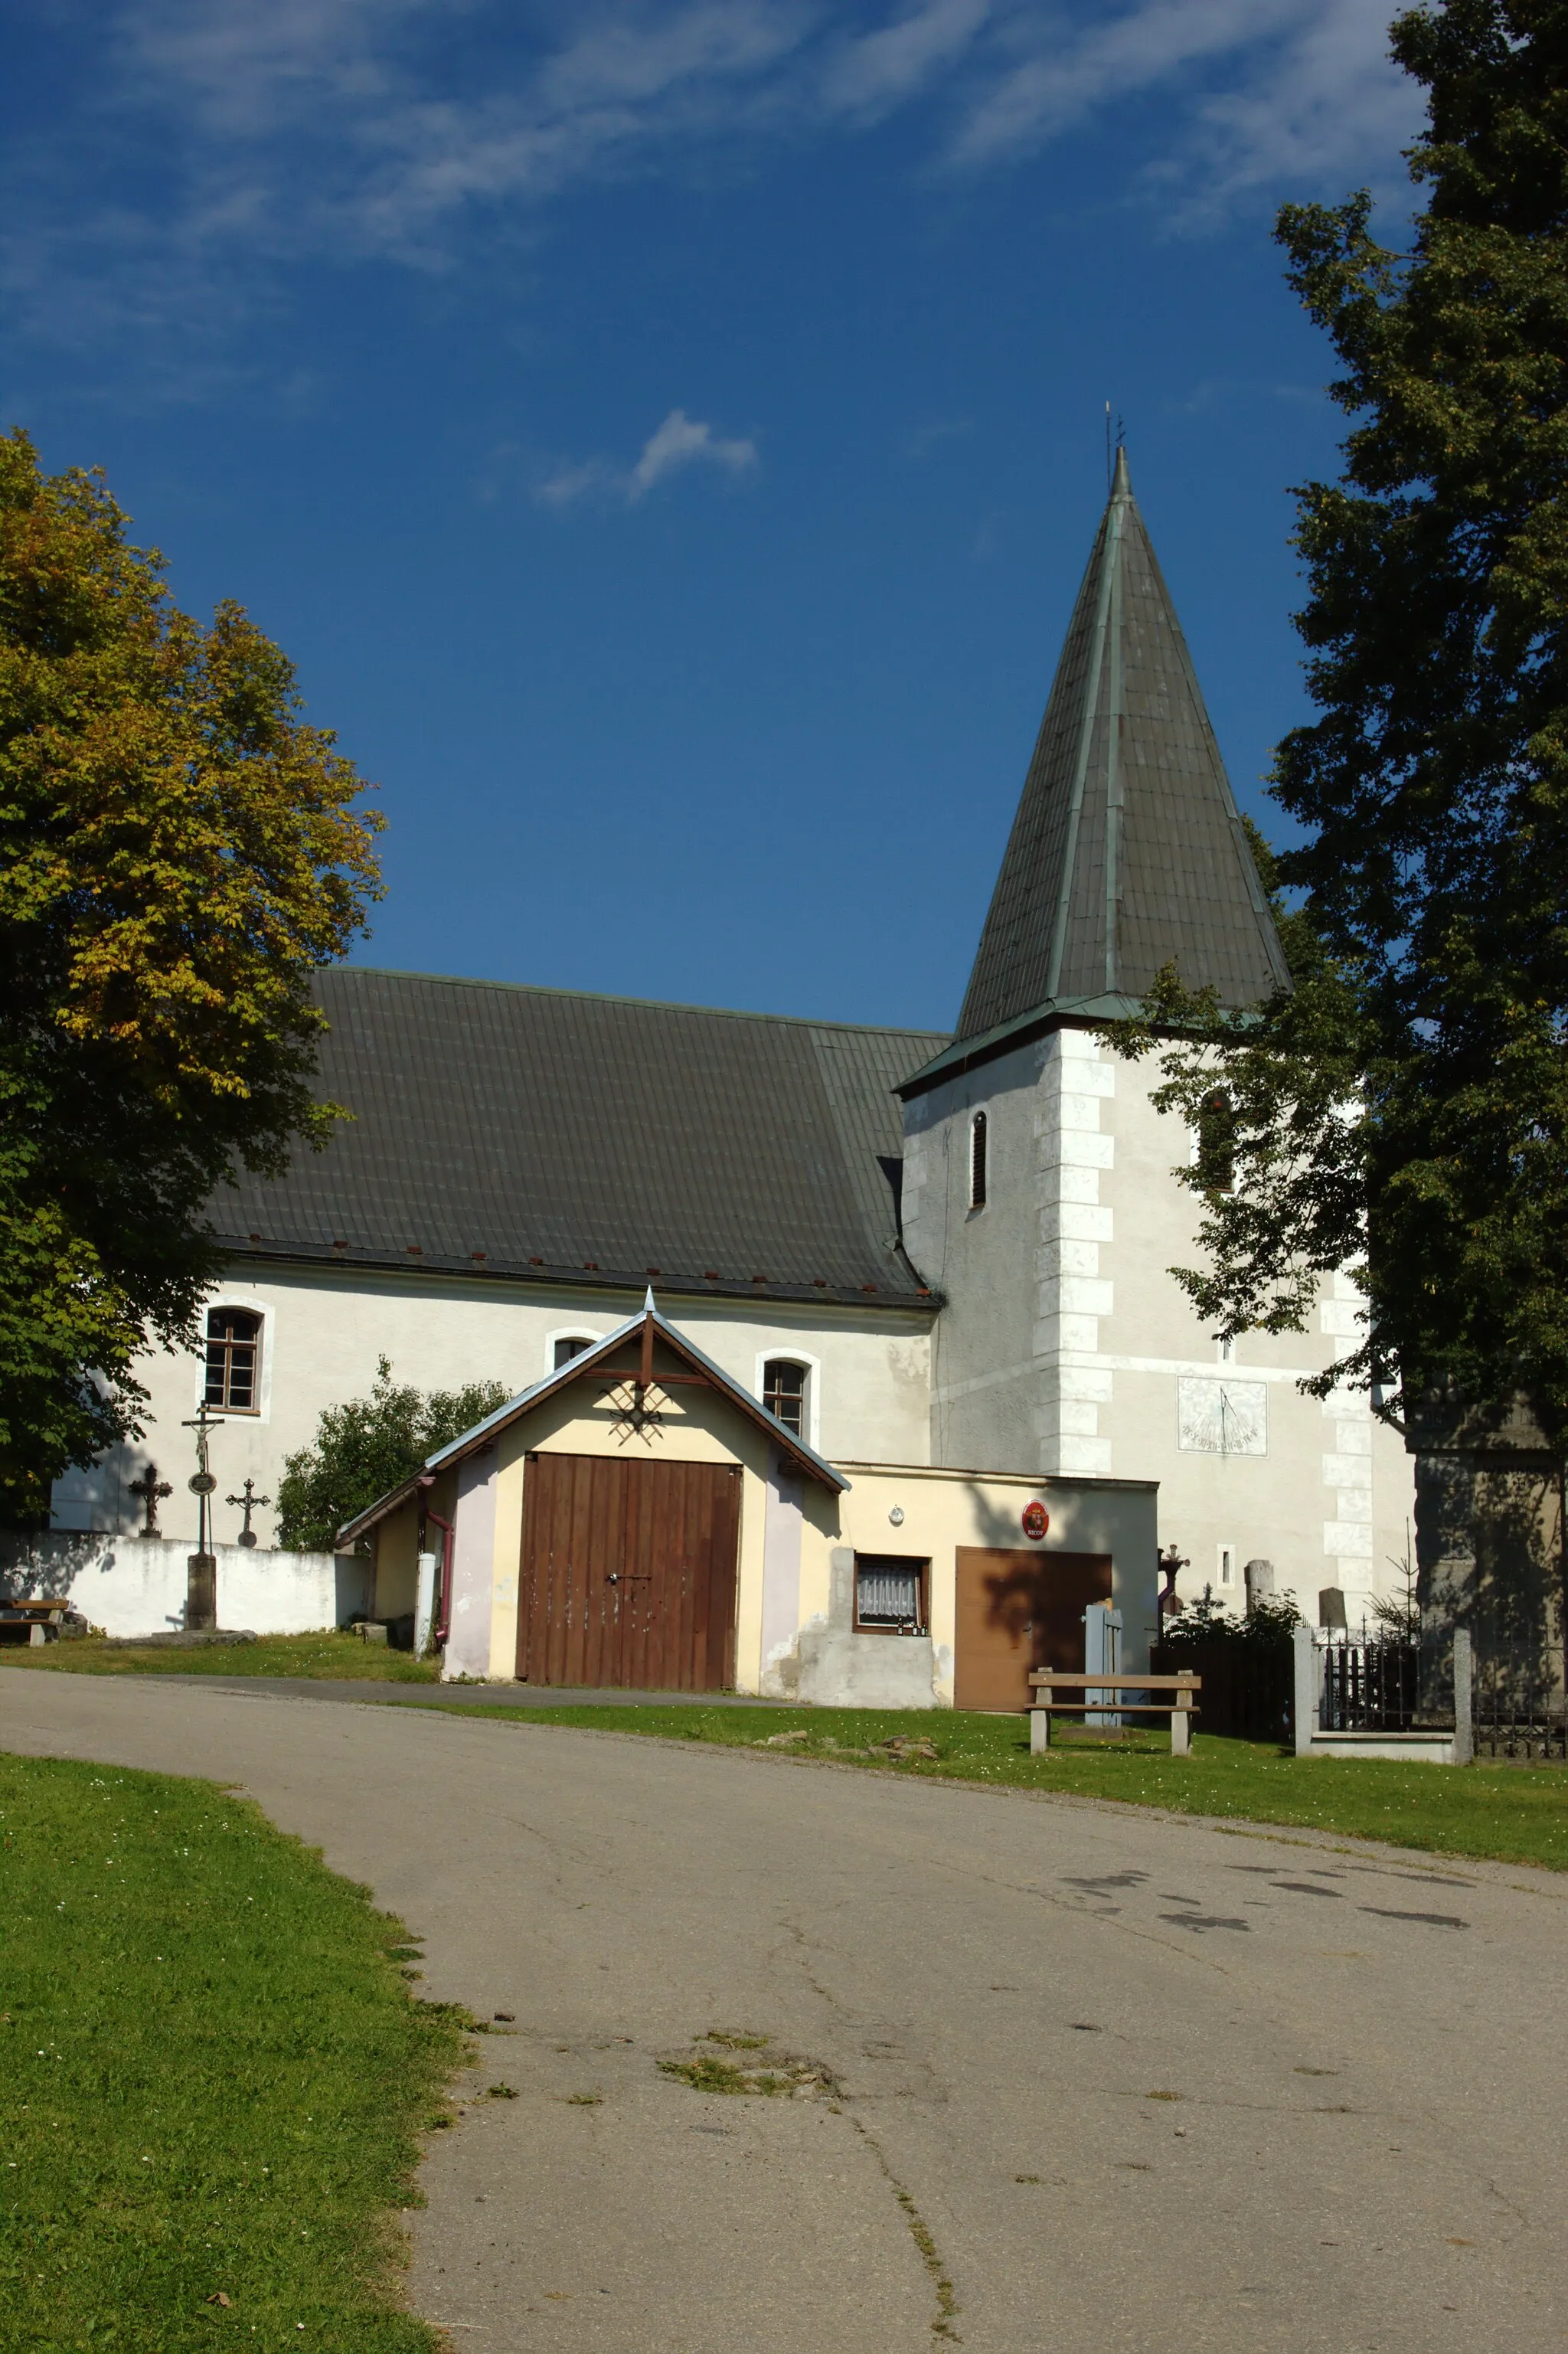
1127, 851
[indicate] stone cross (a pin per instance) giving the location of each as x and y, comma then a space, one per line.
150, 1488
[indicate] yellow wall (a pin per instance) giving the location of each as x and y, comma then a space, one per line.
946, 1508
941, 1511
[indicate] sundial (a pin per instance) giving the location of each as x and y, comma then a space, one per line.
1221, 1418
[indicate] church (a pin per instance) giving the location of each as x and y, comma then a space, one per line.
903, 1299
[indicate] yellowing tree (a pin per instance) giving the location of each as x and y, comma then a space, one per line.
178, 853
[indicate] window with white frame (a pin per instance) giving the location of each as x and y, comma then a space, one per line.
567, 1346
233, 1383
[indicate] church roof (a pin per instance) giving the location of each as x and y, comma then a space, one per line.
597, 1141
1127, 853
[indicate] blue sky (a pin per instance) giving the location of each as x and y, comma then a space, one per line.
667, 437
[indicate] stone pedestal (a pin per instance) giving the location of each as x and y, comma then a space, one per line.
201, 1593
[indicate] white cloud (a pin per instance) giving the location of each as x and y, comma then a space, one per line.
680, 442
880, 70
400, 128
1327, 106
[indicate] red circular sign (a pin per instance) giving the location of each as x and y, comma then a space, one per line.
1036, 1520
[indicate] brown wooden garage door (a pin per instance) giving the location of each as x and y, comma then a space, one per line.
627, 1573
1017, 1611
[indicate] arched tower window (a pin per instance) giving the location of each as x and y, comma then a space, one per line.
978, 1172
1217, 1142
784, 1394
233, 1360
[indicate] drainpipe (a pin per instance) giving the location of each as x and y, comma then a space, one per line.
442, 1612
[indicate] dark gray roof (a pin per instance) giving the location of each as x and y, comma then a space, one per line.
1127, 851
593, 1141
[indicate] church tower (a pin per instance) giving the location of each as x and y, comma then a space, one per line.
1039, 1198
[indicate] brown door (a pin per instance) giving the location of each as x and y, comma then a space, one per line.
1018, 1611
627, 1573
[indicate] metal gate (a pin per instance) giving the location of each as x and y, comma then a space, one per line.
628, 1574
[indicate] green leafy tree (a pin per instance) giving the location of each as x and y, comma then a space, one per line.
369, 1446
178, 853
1403, 1110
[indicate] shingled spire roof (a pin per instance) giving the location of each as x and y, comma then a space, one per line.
1127, 853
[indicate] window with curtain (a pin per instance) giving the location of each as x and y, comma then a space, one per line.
889, 1595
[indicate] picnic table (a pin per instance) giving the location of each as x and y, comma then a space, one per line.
1054, 1694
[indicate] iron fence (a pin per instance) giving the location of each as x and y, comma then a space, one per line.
1375, 1680
1373, 1684
1517, 1705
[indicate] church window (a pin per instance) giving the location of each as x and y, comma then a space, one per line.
784, 1394
978, 1172
569, 1345
233, 1360
889, 1594
1216, 1142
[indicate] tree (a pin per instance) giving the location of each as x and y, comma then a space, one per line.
178, 853
369, 1446
1403, 1109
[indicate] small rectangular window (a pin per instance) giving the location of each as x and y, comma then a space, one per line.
889, 1594
1227, 1565
233, 1360
571, 1346
784, 1394
977, 1171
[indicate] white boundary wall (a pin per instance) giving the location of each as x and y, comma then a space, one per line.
136, 1585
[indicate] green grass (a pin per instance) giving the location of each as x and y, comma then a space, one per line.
334, 1652
1514, 1814
211, 2077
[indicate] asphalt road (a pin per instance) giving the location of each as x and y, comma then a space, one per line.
367, 1692
1128, 2083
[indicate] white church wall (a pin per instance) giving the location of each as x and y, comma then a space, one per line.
1068, 1344
325, 1328
984, 1395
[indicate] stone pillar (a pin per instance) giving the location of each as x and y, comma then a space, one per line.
1307, 1688
1464, 1720
424, 1604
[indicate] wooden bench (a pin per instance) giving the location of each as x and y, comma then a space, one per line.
37, 1618
1050, 1686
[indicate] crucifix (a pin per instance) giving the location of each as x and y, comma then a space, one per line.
251, 1502
201, 1483
151, 1490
